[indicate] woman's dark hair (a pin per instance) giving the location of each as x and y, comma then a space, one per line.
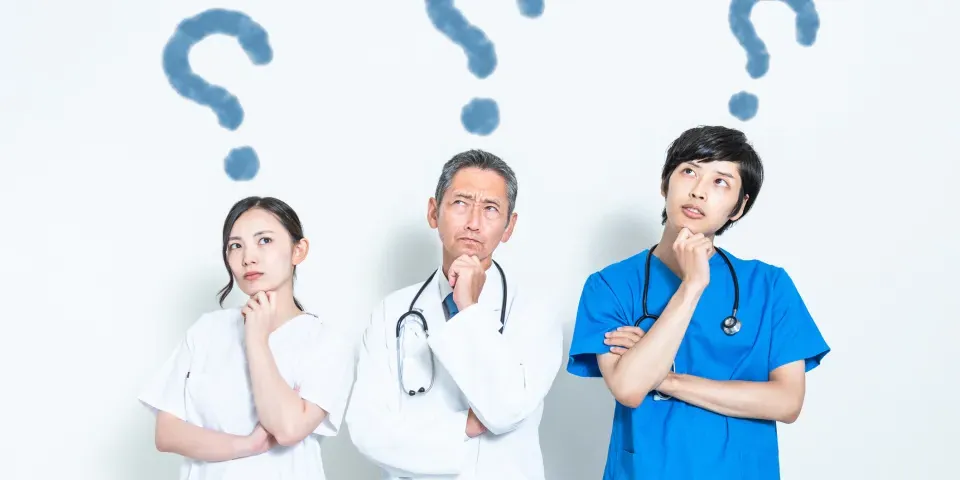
715, 143
288, 218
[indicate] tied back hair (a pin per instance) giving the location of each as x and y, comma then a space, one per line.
288, 218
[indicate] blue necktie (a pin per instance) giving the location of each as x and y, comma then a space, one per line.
451, 306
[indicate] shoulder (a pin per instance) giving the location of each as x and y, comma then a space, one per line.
398, 301
316, 333
618, 278
214, 322
774, 277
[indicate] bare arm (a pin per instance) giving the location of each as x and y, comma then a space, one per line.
632, 375
281, 409
177, 436
779, 399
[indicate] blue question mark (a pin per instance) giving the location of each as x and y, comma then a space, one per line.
241, 163
744, 105
482, 115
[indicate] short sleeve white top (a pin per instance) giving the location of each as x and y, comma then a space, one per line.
206, 382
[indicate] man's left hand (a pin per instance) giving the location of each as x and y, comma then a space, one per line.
466, 277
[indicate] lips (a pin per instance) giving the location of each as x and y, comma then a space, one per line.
252, 275
692, 211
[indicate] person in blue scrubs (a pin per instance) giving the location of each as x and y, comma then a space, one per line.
696, 400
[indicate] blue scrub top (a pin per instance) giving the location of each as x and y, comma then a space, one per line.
672, 439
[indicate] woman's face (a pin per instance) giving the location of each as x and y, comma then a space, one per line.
261, 253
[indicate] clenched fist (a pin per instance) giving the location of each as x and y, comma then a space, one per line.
260, 315
467, 277
693, 254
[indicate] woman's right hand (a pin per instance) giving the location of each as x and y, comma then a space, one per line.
259, 441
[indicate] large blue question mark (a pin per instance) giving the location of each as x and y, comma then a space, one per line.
744, 105
482, 115
241, 163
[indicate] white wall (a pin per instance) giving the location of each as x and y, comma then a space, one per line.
113, 194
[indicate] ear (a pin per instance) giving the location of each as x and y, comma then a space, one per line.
739, 213
663, 188
300, 250
433, 213
508, 232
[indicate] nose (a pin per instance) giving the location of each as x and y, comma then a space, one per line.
249, 256
698, 191
473, 219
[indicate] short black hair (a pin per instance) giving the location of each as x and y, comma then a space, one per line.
716, 143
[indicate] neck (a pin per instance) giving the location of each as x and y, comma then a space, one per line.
664, 250
448, 260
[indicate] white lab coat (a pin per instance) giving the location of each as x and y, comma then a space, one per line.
503, 378
206, 383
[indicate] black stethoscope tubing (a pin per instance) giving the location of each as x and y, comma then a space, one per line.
730, 325
411, 311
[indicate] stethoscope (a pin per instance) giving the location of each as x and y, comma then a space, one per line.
730, 325
418, 316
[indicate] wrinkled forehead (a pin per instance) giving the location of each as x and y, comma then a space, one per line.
479, 186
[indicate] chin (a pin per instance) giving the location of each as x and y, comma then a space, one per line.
251, 288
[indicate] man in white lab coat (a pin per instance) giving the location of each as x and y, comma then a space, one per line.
494, 354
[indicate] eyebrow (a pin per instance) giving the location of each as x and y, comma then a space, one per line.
470, 196
261, 232
721, 172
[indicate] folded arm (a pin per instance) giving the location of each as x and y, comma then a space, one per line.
779, 399
405, 442
504, 377
632, 375
280, 408
174, 435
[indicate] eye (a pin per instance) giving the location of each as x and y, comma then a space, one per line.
492, 208
687, 171
233, 246
722, 182
264, 240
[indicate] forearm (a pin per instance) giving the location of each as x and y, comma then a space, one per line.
641, 368
503, 381
735, 398
174, 435
409, 444
279, 408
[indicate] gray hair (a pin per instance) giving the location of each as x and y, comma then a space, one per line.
484, 161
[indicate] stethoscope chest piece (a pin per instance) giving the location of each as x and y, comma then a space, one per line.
730, 325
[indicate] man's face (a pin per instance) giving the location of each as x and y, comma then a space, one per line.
471, 217
701, 196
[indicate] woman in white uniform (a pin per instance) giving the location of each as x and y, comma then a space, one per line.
250, 391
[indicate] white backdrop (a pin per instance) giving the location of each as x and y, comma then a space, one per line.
114, 193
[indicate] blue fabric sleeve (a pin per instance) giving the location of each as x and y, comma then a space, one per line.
599, 312
795, 334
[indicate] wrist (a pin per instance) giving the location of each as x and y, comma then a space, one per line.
242, 446
670, 384
692, 289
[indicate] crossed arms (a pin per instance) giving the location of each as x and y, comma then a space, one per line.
504, 378
639, 362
